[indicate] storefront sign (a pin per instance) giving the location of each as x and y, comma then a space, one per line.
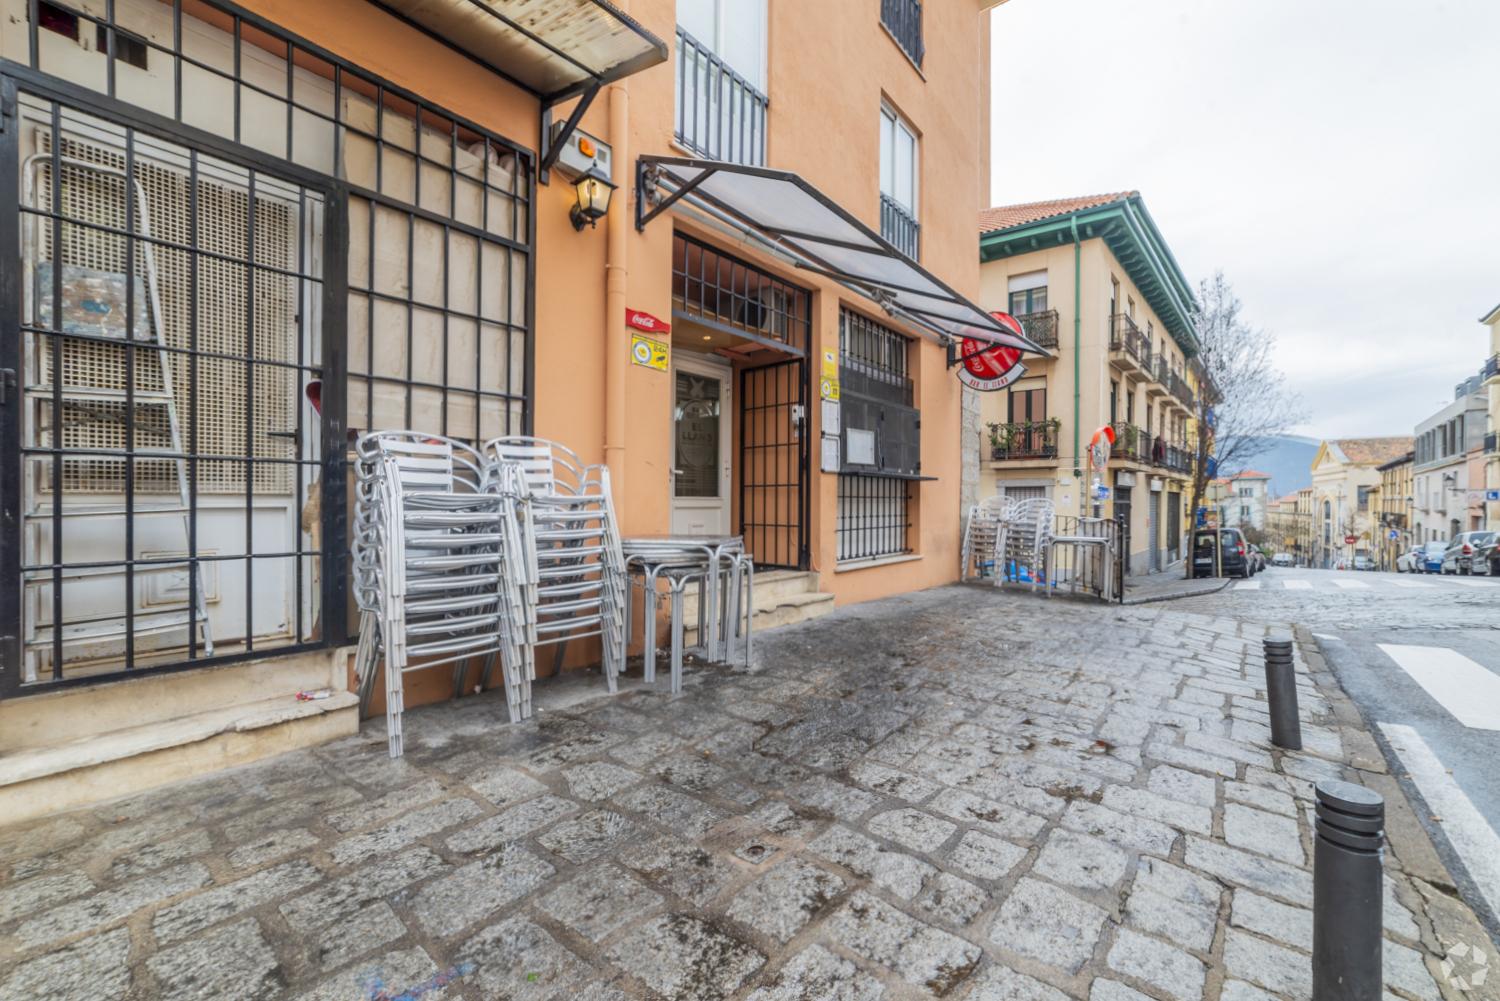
994, 368
828, 386
641, 320
648, 351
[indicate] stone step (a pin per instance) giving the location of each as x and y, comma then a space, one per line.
787, 610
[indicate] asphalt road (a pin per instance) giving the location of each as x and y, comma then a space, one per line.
1420, 657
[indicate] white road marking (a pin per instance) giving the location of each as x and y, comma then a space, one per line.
1298, 585
1351, 583
1247, 585
1325, 636
1475, 841
1466, 689
1471, 582
1412, 583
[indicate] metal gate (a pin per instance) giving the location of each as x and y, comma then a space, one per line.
773, 464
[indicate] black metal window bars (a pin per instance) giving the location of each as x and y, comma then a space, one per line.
873, 518
720, 114
711, 287
873, 511
899, 228
874, 353
903, 18
195, 399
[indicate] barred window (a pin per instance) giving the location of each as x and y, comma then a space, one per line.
873, 516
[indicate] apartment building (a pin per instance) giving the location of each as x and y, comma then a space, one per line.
1344, 471
1449, 457
1490, 376
1249, 498
1394, 504
665, 234
1093, 281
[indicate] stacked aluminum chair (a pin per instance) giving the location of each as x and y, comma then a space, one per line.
434, 530
1026, 530
571, 566
980, 536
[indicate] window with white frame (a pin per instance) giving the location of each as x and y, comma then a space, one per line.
898, 182
721, 102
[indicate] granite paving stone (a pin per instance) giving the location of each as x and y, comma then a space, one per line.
1048, 924
1174, 903
153, 857
682, 957
779, 818
1260, 797
587, 835
272, 847
18, 900
1104, 989
518, 959
784, 899
111, 906
954, 900
1151, 806
599, 900
696, 772
392, 804
643, 750
895, 871
823, 793
233, 963
1189, 787
1081, 861
815, 974
396, 973
890, 782
985, 857
1275, 968
402, 832
472, 892
678, 867
1178, 974
92, 968
340, 897
1120, 829
1264, 875
996, 818
1190, 758
223, 902
596, 780
1264, 916
1404, 970
923, 955
504, 786
509, 824
288, 811
1001, 983
913, 829
1267, 833
687, 815
362, 932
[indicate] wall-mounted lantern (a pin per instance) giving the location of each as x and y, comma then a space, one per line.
594, 190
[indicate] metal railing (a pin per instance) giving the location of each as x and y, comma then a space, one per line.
873, 517
1023, 440
898, 227
1081, 564
720, 114
1041, 327
903, 18
1125, 336
1184, 392
1131, 442
1179, 459
1491, 367
1489, 442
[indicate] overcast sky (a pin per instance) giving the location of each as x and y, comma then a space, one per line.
1339, 159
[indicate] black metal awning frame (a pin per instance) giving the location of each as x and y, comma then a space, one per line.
652, 170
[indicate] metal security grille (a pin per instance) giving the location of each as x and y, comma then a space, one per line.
170, 321
773, 464
873, 359
711, 287
873, 517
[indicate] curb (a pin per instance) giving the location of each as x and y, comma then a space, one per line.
1168, 596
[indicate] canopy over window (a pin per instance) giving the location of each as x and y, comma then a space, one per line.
824, 238
554, 48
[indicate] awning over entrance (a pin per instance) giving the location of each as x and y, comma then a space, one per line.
822, 237
554, 48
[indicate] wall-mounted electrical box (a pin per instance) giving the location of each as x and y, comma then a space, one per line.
580, 152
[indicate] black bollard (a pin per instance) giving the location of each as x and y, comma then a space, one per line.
1281, 693
1347, 892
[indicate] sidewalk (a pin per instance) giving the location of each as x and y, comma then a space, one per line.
1170, 583
947, 793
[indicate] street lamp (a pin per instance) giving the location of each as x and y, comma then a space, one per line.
594, 190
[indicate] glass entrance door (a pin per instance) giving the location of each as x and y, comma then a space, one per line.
700, 448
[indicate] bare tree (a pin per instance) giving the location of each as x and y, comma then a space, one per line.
1253, 403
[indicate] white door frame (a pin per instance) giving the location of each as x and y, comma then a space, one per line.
705, 510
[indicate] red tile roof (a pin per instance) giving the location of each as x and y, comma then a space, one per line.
1374, 450
1006, 216
1251, 474
1289, 498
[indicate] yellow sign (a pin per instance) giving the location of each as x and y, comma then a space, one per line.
828, 386
648, 351
1290, 543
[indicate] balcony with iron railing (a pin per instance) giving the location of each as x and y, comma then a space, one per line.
1024, 440
1041, 327
1159, 376
899, 228
1490, 369
1489, 442
1184, 393
1128, 345
903, 19
719, 115
1131, 443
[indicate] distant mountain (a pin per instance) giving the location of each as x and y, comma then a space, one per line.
1287, 459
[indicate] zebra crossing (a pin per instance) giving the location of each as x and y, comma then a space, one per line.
1374, 584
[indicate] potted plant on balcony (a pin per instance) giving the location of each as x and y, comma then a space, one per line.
1003, 438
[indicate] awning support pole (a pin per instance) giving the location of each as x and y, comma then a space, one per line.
640, 201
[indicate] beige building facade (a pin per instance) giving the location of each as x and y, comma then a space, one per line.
1490, 374
1344, 471
1122, 346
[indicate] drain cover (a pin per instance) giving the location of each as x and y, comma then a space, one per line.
755, 851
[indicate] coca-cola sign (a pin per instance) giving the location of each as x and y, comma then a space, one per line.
989, 369
642, 320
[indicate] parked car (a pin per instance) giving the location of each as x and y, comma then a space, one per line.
1234, 553
1410, 561
1363, 563
1486, 558
1283, 560
1431, 560
1460, 550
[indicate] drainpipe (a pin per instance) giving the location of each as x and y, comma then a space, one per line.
616, 340
1077, 326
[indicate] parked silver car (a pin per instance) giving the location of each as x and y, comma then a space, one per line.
1458, 557
1410, 561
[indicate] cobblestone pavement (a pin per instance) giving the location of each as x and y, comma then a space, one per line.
957, 793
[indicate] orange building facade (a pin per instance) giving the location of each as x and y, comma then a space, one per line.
282, 224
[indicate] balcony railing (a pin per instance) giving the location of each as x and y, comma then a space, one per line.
1131, 443
1184, 392
1024, 440
1041, 327
1489, 442
720, 114
1125, 336
1491, 367
899, 228
903, 18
